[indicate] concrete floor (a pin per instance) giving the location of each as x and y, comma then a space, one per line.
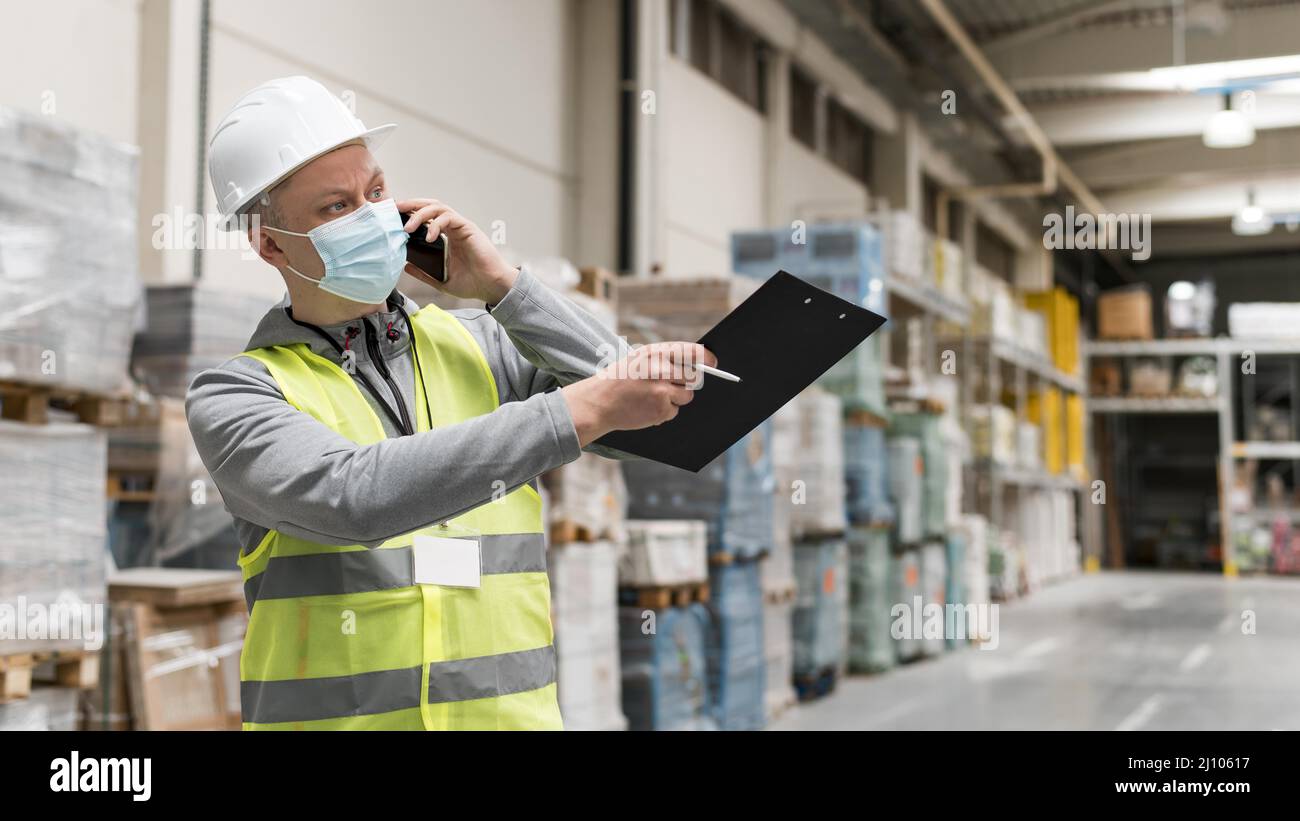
1109, 651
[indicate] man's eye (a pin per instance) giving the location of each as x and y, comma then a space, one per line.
378, 193
337, 206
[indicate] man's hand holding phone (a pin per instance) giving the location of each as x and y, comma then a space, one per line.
475, 268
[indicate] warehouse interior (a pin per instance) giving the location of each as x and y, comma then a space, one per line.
1059, 489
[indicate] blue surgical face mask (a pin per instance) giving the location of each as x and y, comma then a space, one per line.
364, 252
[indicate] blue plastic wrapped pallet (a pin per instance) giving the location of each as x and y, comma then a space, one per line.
905, 588
665, 682
866, 474
956, 589
734, 494
934, 490
737, 674
906, 487
871, 647
820, 618
846, 260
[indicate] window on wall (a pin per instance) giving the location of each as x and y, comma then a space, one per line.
719, 44
994, 253
930, 209
847, 139
803, 107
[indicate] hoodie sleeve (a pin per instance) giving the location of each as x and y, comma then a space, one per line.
546, 341
282, 469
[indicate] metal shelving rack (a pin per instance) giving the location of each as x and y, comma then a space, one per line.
1227, 353
1006, 362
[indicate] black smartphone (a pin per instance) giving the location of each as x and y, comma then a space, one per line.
429, 256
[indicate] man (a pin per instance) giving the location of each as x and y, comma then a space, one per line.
380, 459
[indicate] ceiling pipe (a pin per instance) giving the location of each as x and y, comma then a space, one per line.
1054, 169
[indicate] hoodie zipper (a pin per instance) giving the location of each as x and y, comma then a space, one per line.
376, 356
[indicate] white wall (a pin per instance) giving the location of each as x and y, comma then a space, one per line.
712, 167
83, 59
480, 93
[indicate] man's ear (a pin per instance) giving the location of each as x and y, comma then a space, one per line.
266, 247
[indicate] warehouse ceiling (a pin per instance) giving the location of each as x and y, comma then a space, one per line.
1124, 89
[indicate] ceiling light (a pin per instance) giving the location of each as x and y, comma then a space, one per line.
1228, 128
1251, 220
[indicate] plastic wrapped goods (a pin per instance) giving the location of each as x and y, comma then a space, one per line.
906, 488
934, 589
584, 607
664, 552
871, 647
737, 678
778, 656
587, 498
52, 542
821, 610
192, 329
734, 494
819, 509
665, 683
926, 427
866, 474
664, 309
68, 308
905, 587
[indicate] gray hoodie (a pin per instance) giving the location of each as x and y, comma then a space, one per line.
278, 468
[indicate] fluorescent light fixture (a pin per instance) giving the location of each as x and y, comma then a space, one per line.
1228, 128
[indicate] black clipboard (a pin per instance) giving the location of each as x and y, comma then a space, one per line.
778, 341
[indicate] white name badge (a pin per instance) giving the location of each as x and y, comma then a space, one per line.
446, 561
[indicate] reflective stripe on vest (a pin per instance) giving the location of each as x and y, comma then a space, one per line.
269, 702
359, 571
340, 637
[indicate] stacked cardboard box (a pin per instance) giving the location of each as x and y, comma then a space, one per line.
934, 590
1125, 313
584, 608
664, 553
905, 245
69, 305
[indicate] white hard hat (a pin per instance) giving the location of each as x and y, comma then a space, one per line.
274, 130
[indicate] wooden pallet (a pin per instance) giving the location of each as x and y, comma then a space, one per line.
179, 659
72, 668
566, 532
660, 598
865, 419
31, 404
781, 594
132, 486
722, 558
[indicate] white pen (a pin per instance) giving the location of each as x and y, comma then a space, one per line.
730, 377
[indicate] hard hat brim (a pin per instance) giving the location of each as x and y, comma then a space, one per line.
373, 138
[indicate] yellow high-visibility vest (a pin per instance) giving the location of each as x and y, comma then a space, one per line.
341, 637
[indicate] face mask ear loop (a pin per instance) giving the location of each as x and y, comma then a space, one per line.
315, 282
